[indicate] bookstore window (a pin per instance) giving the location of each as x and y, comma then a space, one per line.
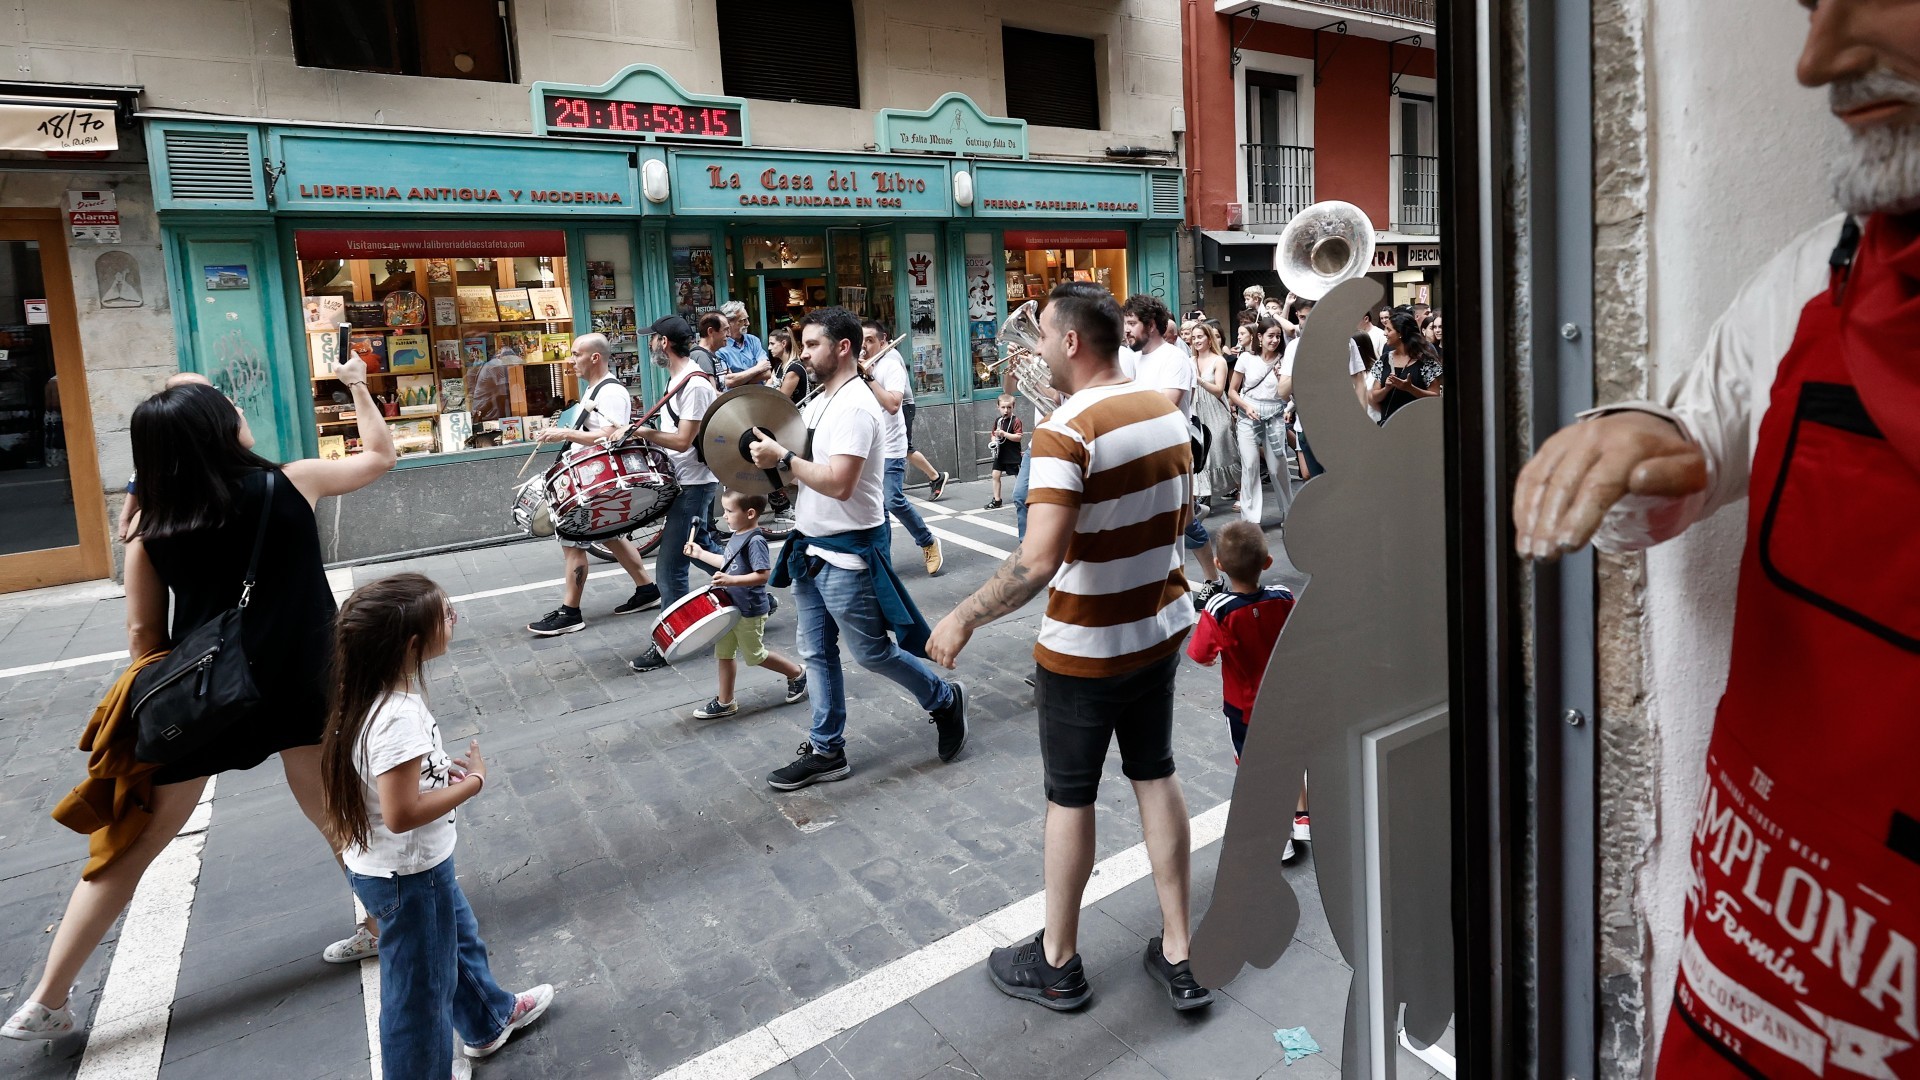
1036, 261
464, 349
441, 39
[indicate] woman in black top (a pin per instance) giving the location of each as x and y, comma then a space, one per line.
788, 369
202, 490
1410, 368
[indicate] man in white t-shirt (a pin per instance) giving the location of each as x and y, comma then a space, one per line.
1166, 367
690, 390
887, 372
604, 410
838, 563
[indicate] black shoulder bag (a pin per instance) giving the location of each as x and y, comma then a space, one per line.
185, 701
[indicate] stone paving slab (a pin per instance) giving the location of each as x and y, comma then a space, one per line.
634, 857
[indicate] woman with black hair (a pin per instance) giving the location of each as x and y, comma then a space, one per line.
1409, 369
202, 495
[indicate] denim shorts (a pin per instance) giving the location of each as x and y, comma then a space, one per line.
1079, 717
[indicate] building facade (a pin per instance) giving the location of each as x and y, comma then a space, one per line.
466, 189
1300, 101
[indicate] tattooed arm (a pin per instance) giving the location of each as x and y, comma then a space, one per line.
1019, 579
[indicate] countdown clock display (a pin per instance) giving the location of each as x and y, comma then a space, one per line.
623, 118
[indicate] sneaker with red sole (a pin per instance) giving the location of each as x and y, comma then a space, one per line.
528, 1006
1302, 828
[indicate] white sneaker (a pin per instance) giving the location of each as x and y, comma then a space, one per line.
1302, 826
363, 944
528, 1006
35, 1021
462, 1068
1287, 855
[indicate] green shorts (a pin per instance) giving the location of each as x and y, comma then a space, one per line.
748, 638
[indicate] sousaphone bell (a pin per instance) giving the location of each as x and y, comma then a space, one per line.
1324, 245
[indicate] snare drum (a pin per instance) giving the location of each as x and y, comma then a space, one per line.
531, 513
610, 490
694, 622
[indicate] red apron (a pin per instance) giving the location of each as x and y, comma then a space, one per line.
1803, 914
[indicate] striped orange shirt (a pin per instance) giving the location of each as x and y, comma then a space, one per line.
1119, 454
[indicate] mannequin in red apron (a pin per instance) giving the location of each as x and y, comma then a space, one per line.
1798, 957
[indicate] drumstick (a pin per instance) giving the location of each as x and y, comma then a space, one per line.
523, 465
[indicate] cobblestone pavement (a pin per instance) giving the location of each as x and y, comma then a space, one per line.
635, 858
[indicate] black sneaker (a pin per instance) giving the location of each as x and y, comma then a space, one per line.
1022, 971
1177, 978
773, 606
644, 597
811, 767
714, 709
648, 661
561, 620
993, 504
797, 688
1207, 591
951, 720
938, 485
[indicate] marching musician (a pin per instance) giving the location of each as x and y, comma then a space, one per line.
604, 412
690, 390
1802, 918
837, 561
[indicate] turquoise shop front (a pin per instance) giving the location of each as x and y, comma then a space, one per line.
463, 266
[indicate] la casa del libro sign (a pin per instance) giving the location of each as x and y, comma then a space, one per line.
886, 189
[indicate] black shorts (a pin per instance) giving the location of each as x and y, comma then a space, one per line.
1079, 717
1236, 730
1007, 458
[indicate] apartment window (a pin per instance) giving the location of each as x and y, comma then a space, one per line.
1273, 109
1052, 79
772, 51
441, 39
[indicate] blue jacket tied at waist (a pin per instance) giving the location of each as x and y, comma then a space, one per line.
910, 630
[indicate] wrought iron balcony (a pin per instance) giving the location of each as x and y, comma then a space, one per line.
1279, 182
1413, 11
1416, 190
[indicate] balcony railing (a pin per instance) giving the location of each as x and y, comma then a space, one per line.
1413, 11
1279, 182
1416, 181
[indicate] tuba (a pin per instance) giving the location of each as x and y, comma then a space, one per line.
1322, 246
1020, 334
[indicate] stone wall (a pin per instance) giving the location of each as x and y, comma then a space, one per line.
235, 57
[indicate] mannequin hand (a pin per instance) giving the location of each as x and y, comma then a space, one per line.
1584, 468
351, 371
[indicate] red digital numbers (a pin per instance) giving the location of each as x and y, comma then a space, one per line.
619, 117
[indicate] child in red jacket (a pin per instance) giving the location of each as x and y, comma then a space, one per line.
1240, 625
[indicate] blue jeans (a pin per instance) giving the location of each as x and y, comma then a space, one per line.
688, 513
899, 507
1020, 494
836, 603
434, 978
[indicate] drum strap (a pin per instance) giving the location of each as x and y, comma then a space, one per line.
587, 405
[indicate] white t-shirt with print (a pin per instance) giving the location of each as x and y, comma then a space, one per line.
1169, 367
848, 420
890, 373
690, 402
400, 730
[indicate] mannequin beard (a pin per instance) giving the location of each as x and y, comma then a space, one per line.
1881, 173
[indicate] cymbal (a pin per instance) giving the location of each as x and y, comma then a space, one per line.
726, 435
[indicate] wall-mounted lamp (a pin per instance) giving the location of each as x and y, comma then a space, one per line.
963, 188
655, 183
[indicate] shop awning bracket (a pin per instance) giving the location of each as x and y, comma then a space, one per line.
1253, 17
1320, 63
272, 172
1393, 84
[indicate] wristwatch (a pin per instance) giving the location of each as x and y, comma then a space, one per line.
786, 460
